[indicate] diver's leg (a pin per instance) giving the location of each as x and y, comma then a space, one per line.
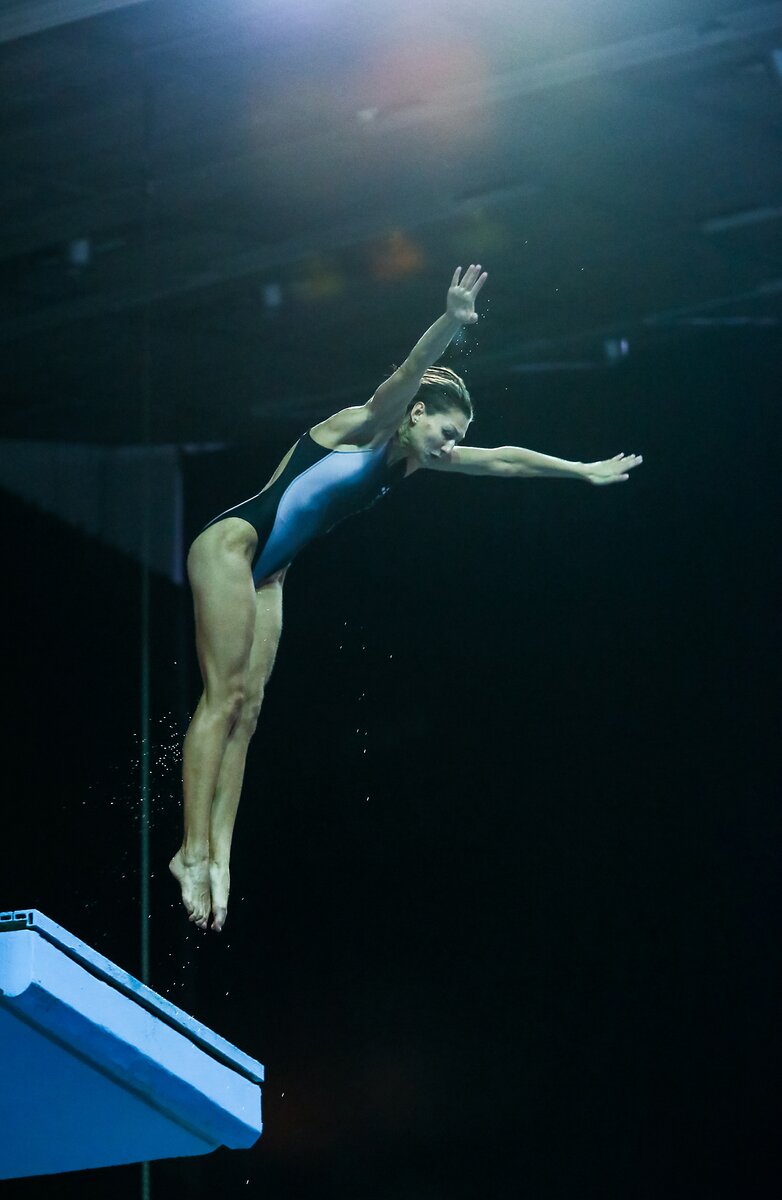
224, 599
268, 626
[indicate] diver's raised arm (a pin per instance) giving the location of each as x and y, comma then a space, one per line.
383, 413
388, 405
515, 462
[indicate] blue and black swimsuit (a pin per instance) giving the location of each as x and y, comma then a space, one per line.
316, 489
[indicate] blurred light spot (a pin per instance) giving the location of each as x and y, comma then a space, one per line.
396, 257
321, 279
272, 295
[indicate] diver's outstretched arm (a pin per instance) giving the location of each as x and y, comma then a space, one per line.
514, 462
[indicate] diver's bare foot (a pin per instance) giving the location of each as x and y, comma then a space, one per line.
192, 875
220, 882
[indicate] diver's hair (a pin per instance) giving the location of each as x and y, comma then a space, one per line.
442, 389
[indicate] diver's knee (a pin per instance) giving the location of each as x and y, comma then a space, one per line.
251, 711
228, 706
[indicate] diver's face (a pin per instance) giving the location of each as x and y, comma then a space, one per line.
434, 435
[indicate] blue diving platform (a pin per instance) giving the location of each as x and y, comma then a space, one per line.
96, 1069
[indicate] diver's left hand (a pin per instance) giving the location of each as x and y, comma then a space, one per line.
612, 470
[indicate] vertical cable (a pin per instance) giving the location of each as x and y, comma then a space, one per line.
146, 537
145, 387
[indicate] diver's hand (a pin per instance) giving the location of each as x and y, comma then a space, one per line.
462, 293
611, 470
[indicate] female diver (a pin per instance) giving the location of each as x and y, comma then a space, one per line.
236, 566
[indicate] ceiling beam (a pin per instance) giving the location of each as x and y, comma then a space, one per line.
21, 18
688, 41
248, 262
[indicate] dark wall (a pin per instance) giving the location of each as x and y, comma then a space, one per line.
505, 916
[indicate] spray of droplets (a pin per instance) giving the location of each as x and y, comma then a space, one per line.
112, 806
165, 769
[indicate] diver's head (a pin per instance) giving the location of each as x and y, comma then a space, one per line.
438, 417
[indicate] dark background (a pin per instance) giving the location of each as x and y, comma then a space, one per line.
506, 906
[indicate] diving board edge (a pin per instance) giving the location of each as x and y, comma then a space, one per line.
102, 968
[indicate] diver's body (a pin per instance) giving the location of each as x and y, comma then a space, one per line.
313, 489
237, 565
